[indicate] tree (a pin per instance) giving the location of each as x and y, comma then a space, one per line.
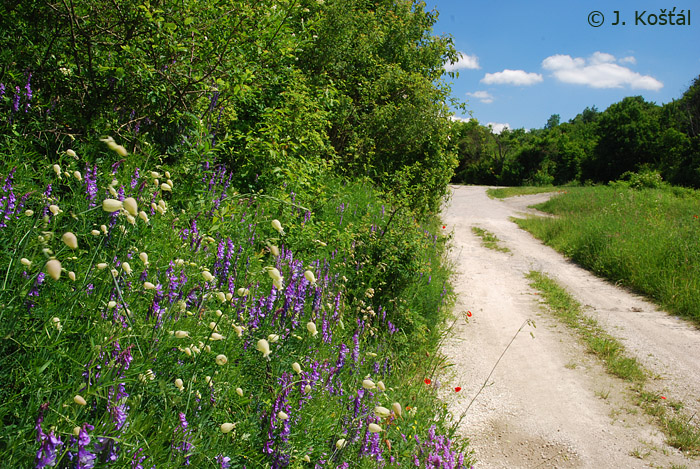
627, 139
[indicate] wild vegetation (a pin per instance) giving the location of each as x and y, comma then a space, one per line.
630, 136
219, 237
645, 238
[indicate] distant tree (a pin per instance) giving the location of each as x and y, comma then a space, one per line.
553, 121
628, 134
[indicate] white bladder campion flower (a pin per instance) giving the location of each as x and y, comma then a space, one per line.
53, 268
182, 334
71, 275
217, 336
166, 187
77, 175
26, 262
207, 276
310, 277
144, 258
148, 286
239, 391
396, 407
272, 338
131, 206
296, 367
126, 268
275, 251
311, 327
227, 427
114, 146
71, 153
221, 360
374, 428
78, 399
368, 384
112, 205
57, 170
380, 385
54, 209
282, 415
179, 384
382, 412
340, 444
263, 347
278, 226
242, 291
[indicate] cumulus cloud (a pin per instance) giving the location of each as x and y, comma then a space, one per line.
465, 61
497, 127
460, 119
601, 70
512, 77
482, 96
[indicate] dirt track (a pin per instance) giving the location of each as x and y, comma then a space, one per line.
549, 404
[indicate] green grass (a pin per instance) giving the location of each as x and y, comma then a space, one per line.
503, 192
647, 240
489, 240
680, 432
568, 310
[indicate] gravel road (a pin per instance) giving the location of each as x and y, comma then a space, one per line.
549, 403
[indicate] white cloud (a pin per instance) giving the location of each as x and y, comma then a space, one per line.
482, 96
599, 71
460, 119
497, 128
628, 60
512, 77
465, 61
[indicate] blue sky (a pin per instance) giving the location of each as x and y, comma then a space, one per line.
526, 60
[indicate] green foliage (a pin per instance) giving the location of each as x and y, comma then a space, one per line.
328, 116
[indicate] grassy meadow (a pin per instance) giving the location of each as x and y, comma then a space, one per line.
647, 239
153, 316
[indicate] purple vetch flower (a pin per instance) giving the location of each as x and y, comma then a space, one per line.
91, 184
223, 461
356, 350
15, 102
86, 459
28, 92
46, 456
2, 90
181, 437
135, 178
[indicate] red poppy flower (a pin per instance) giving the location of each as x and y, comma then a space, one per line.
443, 226
427, 381
469, 313
662, 397
457, 389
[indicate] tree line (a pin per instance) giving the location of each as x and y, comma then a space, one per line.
631, 136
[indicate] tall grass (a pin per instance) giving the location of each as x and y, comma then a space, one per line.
197, 331
646, 239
